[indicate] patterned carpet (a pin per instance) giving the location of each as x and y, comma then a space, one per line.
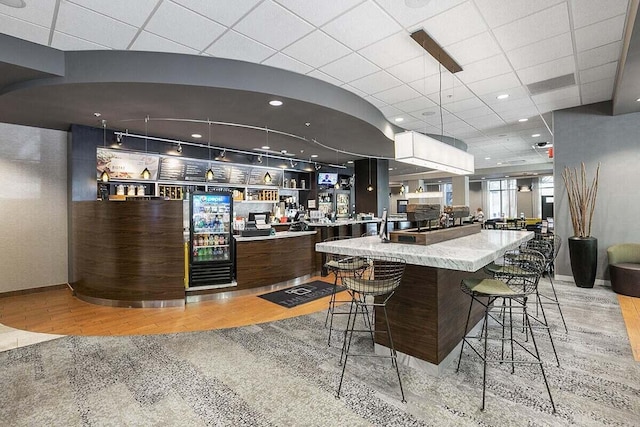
283, 374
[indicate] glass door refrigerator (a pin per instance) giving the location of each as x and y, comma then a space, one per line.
342, 203
211, 242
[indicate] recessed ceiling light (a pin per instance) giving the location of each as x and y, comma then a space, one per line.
499, 163
350, 162
535, 135
484, 177
265, 147
503, 96
523, 120
487, 158
96, 113
19, 4
196, 135
399, 119
506, 176
638, 100
313, 156
283, 151
275, 103
390, 169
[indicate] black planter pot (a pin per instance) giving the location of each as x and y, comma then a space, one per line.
583, 252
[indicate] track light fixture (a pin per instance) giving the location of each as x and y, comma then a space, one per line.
260, 159
179, 148
119, 138
317, 166
223, 153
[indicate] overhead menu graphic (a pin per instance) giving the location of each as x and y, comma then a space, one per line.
124, 164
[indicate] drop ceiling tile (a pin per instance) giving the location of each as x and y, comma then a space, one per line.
39, 13
518, 98
194, 30
451, 95
390, 111
65, 42
558, 104
463, 105
599, 55
349, 68
440, 27
392, 50
233, 45
533, 28
485, 122
515, 114
600, 34
327, 78
587, 12
473, 49
352, 89
475, 112
130, 12
318, 13
361, 26
285, 62
397, 94
375, 101
416, 104
94, 27
555, 68
481, 70
408, 16
24, 30
494, 84
273, 25
316, 49
376, 82
543, 51
496, 13
433, 84
606, 71
153, 43
415, 69
597, 91
564, 93
223, 11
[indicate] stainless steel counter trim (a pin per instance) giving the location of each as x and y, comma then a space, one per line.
132, 304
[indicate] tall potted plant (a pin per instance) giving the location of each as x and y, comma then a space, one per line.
583, 247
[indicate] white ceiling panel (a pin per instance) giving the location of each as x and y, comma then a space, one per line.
556, 68
65, 42
601, 90
374, 82
558, 104
357, 91
408, 16
599, 55
416, 104
316, 49
519, 113
196, 32
233, 45
440, 29
392, 50
497, 13
318, 12
481, 70
518, 98
361, 26
476, 112
599, 34
39, 13
485, 122
564, 93
543, 51
285, 62
397, 94
606, 71
451, 95
88, 25
473, 49
273, 25
153, 43
131, 12
533, 28
390, 111
349, 68
322, 76
222, 11
433, 84
415, 69
24, 30
375, 101
464, 105
498, 83
587, 12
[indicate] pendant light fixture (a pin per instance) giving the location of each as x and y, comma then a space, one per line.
146, 174
105, 175
370, 187
267, 176
209, 174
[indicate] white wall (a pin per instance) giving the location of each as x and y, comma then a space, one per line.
33, 207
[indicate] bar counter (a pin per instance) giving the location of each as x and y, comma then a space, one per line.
427, 314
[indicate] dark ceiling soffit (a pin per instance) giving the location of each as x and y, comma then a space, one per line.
436, 51
31, 55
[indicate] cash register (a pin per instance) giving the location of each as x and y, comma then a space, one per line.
257, 225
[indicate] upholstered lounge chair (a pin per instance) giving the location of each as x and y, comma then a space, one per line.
624, 268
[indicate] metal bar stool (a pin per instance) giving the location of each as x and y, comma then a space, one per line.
515, 283
373, 291
341, 266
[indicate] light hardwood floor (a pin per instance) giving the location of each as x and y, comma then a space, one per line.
630, 308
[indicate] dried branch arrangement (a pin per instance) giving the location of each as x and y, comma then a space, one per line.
582, 198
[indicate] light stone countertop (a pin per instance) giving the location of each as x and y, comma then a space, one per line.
278, 235
342, 222
469, 253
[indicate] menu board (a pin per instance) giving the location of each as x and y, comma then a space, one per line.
257, 176
125, 164
238, 175
177, 169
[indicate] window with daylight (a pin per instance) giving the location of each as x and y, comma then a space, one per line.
502, 198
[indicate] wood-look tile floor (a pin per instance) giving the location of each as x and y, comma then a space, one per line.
630, 308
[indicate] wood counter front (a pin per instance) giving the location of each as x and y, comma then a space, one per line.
128, 253
270, 261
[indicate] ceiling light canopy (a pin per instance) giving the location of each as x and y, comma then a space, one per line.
196, 135
421, 150
275, 103
523, 120
503, 96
